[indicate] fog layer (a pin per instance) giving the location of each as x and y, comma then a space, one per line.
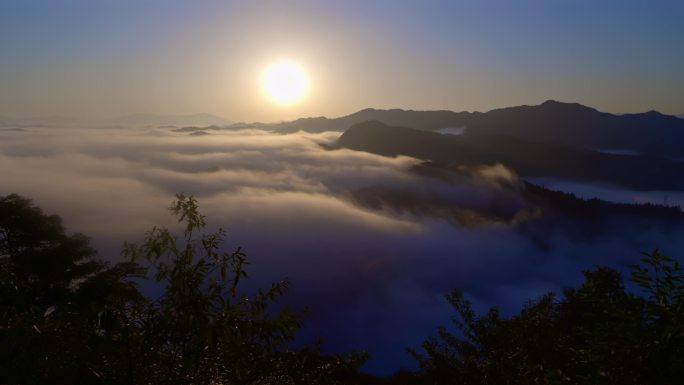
371, 244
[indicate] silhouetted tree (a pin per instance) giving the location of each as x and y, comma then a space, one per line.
67, 317
598, 334
202, 330
57, 302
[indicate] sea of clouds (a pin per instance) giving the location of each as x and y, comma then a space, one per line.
371, 244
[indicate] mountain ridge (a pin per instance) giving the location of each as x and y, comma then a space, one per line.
572, 124
528, 158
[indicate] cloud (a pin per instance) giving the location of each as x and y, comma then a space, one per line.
370, 243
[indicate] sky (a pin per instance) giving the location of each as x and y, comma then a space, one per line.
105, 58
373, 272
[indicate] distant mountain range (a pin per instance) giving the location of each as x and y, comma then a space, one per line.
8, 121
569, 141
569, 124
201, 119
424, 120
427, 120
565, 140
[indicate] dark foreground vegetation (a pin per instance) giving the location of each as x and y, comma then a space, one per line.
67, 317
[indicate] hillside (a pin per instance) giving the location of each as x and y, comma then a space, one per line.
528, 158
570, 124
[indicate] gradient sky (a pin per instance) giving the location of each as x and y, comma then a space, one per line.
103, 58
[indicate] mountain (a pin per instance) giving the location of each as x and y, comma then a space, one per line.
201, 119
533, 210
570, 124
577, 125
424, 120
527, 157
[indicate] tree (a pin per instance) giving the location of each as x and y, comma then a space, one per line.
598, 333
202, 330
54, 296
67, 317
662, 280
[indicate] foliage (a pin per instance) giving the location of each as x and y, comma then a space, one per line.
598, 334
58, 304
201, 328
67, 317
70, 318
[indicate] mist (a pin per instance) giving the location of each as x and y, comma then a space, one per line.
613, 193
371, 244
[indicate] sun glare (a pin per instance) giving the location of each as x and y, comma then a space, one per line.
285, 82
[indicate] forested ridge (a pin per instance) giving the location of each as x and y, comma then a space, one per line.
68, 317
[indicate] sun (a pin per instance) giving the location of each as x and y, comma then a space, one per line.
285, 82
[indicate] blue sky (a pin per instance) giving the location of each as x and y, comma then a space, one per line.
104, 58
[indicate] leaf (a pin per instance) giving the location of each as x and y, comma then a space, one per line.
48, 311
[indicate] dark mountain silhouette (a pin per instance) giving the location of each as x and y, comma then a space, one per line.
199, 133
234, 126
569, 124
577, 125
641, 151
194, 128
424, 120
527, 157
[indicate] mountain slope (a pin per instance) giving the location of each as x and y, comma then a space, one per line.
528, 158
577, 125
570, 124
424, 120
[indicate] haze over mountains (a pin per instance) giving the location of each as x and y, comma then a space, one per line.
564, 140
387, 212
139, 119
200, 119
527, 157
572, 124
567, 123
